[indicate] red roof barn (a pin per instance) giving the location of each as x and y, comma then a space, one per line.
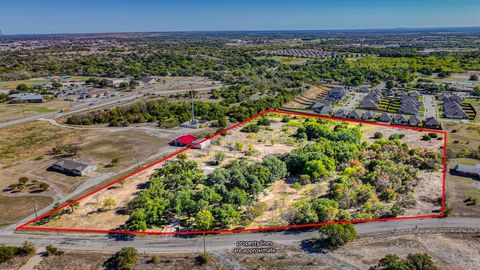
183, 140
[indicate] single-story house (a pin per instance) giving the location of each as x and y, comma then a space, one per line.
337, 93
432, 122
183, 140
115, 82
452, 109
385, 118
368, 104
368, 115
340, 113
400, 119
414, 120
465, 170
147, 81
354, 115
75, 167
199, 144
26, 98
325, 110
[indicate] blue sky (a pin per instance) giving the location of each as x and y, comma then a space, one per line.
85, 16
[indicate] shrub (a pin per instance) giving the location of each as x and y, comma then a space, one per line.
297, 186
396, 136
251, 128
27, 249
285, 119
412, 262
203, 258
339, 234
264, 121
23, 180
125, 259
109, 203
378, 135
426, 137
7, 253
433, 135
155, 259
43, 186
51, 250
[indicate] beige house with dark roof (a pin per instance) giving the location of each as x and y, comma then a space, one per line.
75, 167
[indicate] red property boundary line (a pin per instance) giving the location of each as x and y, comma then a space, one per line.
25, 227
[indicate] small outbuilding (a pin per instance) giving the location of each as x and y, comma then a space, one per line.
201, 144
183, 140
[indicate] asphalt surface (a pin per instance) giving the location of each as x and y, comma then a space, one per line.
169, 243
98, 105
430, 106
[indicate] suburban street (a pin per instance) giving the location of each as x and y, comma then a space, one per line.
430, 106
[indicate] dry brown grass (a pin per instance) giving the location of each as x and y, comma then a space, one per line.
13, 209
75, 260
447, 251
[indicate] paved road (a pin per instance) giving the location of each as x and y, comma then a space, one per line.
430, 106
168, 244
351, 104
98, 105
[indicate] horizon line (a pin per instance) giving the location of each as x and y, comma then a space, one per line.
258, 30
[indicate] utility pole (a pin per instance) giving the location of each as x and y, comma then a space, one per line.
35, 209
193, 108
204, 248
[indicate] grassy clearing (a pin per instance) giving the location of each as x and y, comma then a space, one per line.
32, 139
459, 189
37, 81
15, 208
446, 63
16, 111
461, 138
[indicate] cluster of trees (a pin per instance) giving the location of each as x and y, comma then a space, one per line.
24, 183
414, 261
9, 252
333, 148
170, 114
252, 84
167, 114
375, 179
180, 191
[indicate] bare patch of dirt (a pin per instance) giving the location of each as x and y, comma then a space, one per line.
447, 251
285, 257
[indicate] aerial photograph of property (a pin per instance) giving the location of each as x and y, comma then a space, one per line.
240, 135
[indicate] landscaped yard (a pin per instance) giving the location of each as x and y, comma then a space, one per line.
389, 104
